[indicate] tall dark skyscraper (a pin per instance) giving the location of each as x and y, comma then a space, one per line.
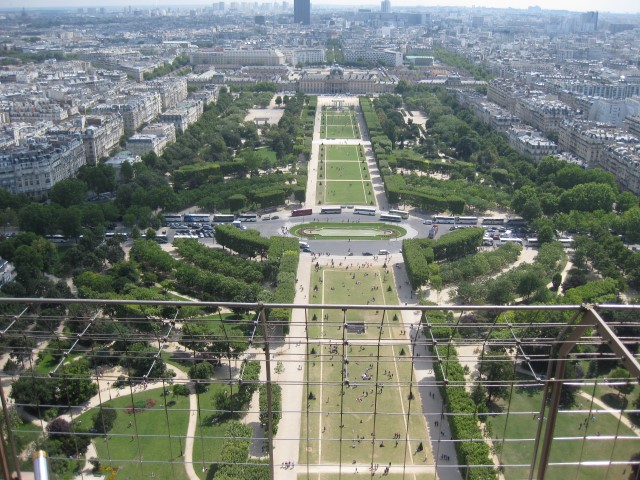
302, 12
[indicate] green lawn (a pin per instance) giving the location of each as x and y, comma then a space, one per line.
139, 443
362, 472
335, 423
569, 444
336, 192
344, 171
341, 152
339, 125
208, 442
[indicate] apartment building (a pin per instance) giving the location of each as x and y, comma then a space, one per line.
101, 136
633, 124
36, 165
392, 58
139, 109
307, 56
154, 138
586, 140
622, 159
530, 142
544, 115
183, 115
172, 90
249, 56
36, 110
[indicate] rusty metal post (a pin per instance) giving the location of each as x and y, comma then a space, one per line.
267, 353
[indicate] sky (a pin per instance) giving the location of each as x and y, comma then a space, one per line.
619, 6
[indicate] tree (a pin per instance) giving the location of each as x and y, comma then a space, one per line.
201, 371
74, 385
278, 100
498, 369
33, 392
68, 192
622, 380
104, 419
63, 439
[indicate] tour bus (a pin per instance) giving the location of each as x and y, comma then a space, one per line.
566, 242
248, 217
56, 238
516, 222
197, 218
387, 217
328, 210
443, 219
493, 221
467, 220
401, 213
301, 212
171, 218
223, 218
504, 240
364, 211
533, 242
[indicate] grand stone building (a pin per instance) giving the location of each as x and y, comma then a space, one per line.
336, 81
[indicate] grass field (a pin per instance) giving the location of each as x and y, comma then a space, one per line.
349, 382
339, 124
354, 231
339, 192
345, 171
139, 444
350, 153
569, 445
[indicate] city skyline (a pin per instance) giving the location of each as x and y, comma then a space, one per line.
614, 6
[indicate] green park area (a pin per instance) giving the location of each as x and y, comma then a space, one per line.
358, 408
343, 231
585, 433
343, 176
147, 438
339, 124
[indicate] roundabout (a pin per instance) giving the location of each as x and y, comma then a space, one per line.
353, 231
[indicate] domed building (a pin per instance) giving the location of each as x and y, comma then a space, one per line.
335, 80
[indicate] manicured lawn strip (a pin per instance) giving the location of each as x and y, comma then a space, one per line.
358, 286
341, 152
400, 232
145, 447
337, 170
339, 193
522, 424
339, 125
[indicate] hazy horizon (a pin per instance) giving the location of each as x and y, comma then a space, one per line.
613, 6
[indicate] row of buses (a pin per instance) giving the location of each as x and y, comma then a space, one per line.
484, 221
391, 216
203, 218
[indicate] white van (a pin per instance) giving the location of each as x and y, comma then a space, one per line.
383, 252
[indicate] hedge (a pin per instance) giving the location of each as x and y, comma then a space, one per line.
472, 450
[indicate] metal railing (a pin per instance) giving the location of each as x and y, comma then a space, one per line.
414, 346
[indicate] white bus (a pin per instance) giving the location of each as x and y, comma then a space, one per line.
443, 219
364, 211
387, 217
504, 240
401, 213
222, 218
248, 217
328, 210
467, 220
533, 242
566, 242
493, 221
